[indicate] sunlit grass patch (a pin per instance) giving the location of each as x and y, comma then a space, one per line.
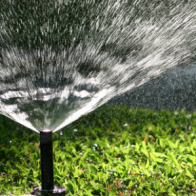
112, 151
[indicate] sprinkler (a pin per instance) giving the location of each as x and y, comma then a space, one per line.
48, 188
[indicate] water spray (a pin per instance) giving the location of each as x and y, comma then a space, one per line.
47, 174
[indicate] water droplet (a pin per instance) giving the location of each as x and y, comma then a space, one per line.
96, 145
125, 125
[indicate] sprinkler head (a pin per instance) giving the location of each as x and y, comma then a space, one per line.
48, 188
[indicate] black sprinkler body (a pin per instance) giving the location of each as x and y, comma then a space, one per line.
47, 174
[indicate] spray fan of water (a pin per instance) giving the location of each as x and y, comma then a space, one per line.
60, 59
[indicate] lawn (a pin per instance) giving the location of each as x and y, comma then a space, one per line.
112, 151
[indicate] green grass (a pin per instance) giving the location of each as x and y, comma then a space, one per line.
112, 151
